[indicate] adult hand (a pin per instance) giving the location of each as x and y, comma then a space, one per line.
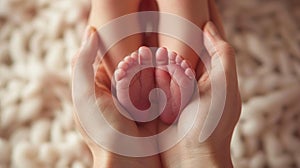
214, 151
82, 64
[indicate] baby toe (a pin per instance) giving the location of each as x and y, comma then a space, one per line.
184, 64
190, 73
119, 74
123, 65
134, 57
172, 57
129, 60
178, 59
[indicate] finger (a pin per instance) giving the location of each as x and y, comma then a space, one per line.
219, 50
221, 75
83, 72
75, 57
89, 42
78, 54
86, 109
215, 17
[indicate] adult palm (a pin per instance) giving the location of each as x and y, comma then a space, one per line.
83, 61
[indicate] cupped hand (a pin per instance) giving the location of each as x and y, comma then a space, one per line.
83, 62
207, 144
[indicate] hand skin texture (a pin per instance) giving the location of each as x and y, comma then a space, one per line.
103, 158
214, 152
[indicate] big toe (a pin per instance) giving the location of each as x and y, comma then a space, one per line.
145, 56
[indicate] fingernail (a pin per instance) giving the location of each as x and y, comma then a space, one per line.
212, 30
87, 34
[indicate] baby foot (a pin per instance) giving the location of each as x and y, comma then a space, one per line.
176, 78
134, 84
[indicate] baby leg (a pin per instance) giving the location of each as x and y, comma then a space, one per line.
103, 11
196, 11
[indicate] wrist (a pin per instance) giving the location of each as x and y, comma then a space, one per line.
208, 154
216, 158
211, 154
105, 159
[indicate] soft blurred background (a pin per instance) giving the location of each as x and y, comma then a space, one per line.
39, 37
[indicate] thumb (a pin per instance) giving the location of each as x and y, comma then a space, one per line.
221, 74
88, 50
83, 71
221, 53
